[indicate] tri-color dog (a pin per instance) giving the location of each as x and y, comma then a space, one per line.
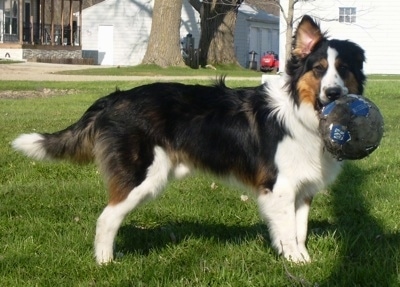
264, 137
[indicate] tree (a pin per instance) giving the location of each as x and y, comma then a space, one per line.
218, 22
163, 48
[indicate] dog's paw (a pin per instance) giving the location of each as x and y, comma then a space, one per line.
297, 256
103, 258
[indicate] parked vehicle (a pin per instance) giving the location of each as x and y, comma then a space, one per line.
269, 62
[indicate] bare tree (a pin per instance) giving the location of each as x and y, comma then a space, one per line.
288, 17
163, 48
218, 22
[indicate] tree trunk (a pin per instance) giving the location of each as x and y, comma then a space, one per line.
289, 29
163, 48
218, 21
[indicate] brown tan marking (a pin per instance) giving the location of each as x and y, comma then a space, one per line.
351, 83
117, 191
349, 80
308, 200
263, 191
308, 88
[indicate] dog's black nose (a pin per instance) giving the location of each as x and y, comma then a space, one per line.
333, 93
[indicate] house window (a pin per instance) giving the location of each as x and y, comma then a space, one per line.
10, 17
347, 14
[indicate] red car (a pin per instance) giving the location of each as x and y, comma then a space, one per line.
269, 62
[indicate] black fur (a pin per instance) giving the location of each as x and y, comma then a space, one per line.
214, 126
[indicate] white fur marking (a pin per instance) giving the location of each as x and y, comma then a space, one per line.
304, 169
331, 77
284, 108
112, 216
31, 146
278, 209
302, 210
181, 171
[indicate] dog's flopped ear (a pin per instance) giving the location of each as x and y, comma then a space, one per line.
307, 35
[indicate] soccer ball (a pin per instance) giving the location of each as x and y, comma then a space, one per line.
351, 127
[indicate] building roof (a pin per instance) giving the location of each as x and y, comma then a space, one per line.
255, 14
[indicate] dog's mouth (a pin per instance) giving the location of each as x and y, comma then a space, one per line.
319, 105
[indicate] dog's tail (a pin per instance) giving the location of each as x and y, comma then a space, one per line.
74, 143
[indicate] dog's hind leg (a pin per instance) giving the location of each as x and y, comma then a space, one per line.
112, 216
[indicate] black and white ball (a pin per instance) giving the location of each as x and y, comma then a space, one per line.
351, 127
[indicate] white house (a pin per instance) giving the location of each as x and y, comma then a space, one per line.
115, 32
374, 25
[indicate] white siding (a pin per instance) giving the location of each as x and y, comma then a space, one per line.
131, 21
376, 29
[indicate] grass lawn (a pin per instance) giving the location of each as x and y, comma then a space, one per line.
6, 61
153, 70
195, 234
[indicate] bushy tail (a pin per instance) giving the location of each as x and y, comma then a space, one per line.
74, 143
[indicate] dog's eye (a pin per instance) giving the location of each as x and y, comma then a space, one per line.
342, 69
319, 69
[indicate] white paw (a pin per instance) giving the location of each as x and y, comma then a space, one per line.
104, 256
297, 256
304, 252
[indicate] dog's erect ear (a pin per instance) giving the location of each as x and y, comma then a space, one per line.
307, 35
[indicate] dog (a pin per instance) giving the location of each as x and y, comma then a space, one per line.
265, 138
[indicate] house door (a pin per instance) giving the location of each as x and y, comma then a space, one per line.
27, 22
106, 45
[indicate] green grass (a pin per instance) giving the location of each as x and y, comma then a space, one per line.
7, 61
387, 77
153, 70
193, 235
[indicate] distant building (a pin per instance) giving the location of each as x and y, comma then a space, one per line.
32, 29
114, 32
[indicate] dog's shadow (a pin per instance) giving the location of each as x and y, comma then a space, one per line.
134, 239
365, 248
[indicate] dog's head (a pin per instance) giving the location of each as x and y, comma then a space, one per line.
322, 70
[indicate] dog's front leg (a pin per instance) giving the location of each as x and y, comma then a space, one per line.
277, 207
303, 203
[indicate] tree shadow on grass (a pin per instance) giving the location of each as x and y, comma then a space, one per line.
369, 254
